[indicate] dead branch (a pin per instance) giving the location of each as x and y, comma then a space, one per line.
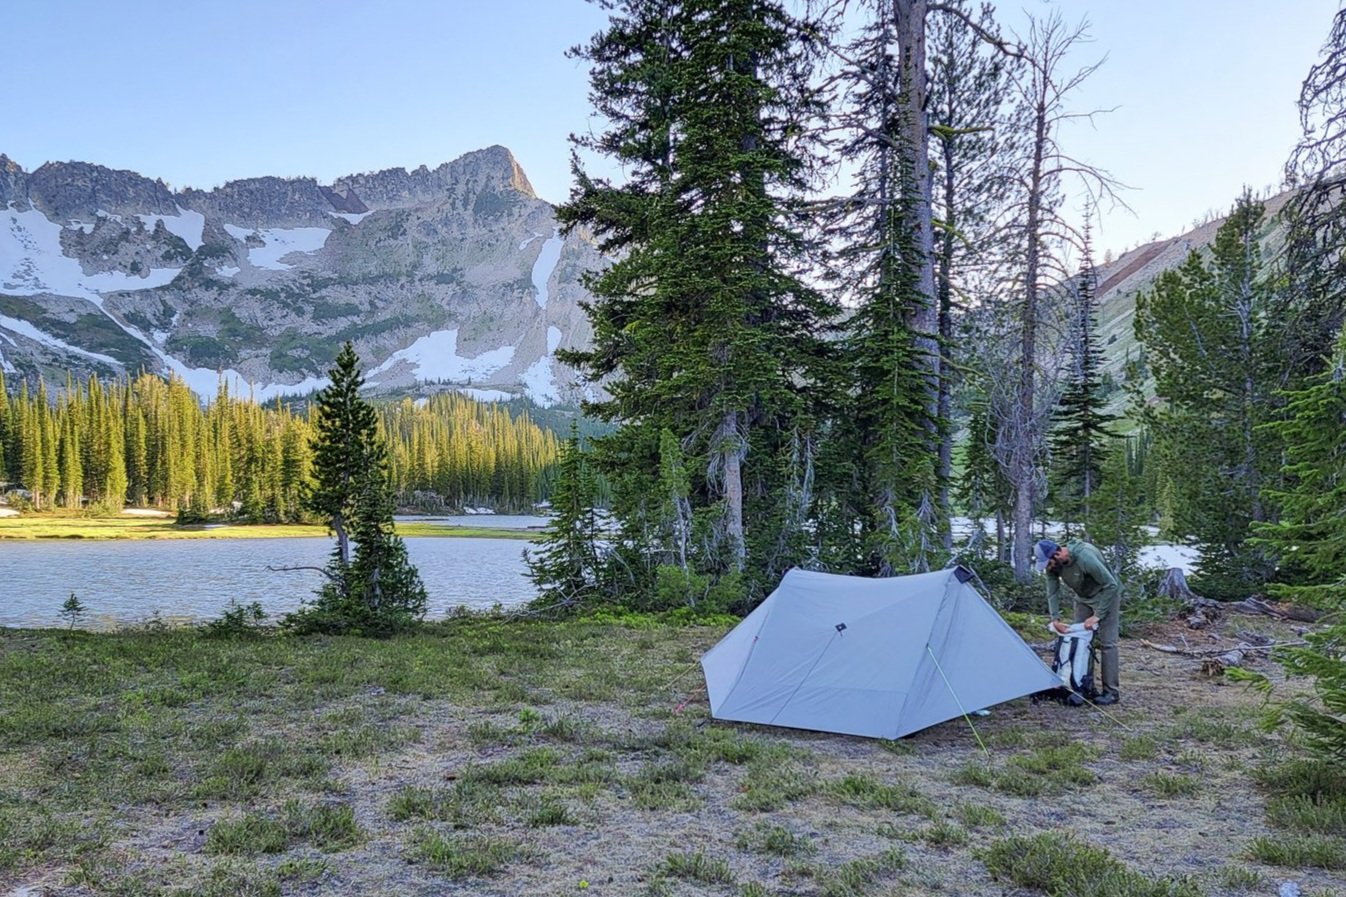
322, 570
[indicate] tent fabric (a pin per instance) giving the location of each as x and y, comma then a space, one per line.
875, 657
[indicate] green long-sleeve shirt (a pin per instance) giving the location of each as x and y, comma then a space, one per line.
1088, 576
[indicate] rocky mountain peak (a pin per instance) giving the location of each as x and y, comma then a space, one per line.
67, 191
451, 277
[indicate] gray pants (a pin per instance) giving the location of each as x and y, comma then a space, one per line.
1107, 636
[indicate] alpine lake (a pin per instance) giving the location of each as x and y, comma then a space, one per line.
126, 582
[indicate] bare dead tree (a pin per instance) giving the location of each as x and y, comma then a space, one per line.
1043, 86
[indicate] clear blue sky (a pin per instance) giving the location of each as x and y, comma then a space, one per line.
202, 92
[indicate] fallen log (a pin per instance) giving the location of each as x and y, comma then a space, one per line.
1258, 606
1212, 652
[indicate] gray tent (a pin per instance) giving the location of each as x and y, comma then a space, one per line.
876, 657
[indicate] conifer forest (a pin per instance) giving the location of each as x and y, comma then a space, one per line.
151, 442
852, 324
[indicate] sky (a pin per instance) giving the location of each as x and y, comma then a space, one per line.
1202, 92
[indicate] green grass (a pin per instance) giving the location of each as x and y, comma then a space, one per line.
456, 747
774, 840
1046, 770
472, 856
1298, 851
328, 827
1298, 813
1171, 785
1239, 880
1139, 747
857, 878
77, 525
978, 816
1059, 866
697, 867
863, 791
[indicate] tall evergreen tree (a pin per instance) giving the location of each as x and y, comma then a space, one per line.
702, 325
1081, 438
1213, 346
973, 137
1310, 537
881, 470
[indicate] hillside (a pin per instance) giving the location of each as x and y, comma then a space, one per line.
1134, 272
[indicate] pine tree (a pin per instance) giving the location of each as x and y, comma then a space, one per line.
6, 434
1214, 349
1079, 443
375, 591
881, 464
1310, 537
969, 74
564, 565
702, 326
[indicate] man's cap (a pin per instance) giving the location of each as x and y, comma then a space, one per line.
1042, 553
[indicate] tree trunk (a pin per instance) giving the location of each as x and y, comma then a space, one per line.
1025, 434
728, 453
944, 404
910, 18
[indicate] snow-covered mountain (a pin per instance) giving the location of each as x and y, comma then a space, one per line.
453, 277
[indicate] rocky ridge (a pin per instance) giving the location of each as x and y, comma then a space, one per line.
451, 277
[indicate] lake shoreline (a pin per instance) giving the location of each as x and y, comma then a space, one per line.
59, 527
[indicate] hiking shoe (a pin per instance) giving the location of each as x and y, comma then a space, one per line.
1108, 697
1075, 700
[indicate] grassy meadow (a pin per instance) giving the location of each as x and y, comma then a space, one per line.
488, 756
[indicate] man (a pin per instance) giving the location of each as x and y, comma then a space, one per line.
1098, 598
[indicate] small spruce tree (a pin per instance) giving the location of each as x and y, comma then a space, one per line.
564, 565
374, 589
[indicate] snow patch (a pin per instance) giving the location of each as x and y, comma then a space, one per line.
524, 244
227, 270
353, 217
185, 224
32, 262
205, 382
435, 357
160, 336
553, 339
547, 259
80, 225
540, 383
279, 242
23, 328
1183, 557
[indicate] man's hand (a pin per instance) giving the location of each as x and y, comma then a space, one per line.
1060, 627
1091, 623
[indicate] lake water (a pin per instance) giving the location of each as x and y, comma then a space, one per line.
129, 581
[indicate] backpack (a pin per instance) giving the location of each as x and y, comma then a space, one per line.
1073, 663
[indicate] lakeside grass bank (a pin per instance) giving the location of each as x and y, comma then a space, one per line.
55, 526
494, 756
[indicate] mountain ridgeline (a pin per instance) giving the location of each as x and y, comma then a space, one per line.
455, 276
